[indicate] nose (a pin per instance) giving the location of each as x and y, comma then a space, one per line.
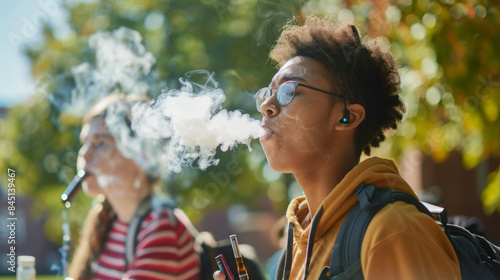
85, 152
270, 107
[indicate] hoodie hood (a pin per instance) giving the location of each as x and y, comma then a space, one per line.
382, 173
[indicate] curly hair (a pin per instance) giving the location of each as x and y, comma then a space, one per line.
360, 71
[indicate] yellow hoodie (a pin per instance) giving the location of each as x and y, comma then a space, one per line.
412, 247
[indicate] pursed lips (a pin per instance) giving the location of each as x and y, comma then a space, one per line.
267, 129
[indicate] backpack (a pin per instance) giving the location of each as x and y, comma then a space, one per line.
478, 258
205, 245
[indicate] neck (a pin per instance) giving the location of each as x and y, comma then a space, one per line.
319, 180
126, 205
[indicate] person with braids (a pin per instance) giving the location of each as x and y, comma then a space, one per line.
333, 98
164, 249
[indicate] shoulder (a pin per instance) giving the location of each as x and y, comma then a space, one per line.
403, 219
162, 225
159, 220
160, 215
403, 236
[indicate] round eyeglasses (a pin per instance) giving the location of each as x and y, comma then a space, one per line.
284, 93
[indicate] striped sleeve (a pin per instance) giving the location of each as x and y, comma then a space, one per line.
165, 250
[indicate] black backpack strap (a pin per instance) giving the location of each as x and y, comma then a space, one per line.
345, 260
347, 247
145, 207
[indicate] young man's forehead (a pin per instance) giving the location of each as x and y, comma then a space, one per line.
297, 69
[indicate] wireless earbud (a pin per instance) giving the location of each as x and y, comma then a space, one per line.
345, 117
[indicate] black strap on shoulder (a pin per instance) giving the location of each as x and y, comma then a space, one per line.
345, 260
145, 207
133, 228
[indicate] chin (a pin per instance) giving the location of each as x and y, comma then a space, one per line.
277, 161
277, 165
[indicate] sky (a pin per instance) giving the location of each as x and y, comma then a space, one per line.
20, 23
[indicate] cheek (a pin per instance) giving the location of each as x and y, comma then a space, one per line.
91, 187
299, 135
106, 150
282, 148
115, 162
302, 129
123, 168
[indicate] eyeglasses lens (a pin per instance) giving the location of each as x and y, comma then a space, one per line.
285, 93
262, 95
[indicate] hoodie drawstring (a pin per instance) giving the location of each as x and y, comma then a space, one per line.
310, 242
288, 252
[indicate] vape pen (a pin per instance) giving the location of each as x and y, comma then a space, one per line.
222, 264
242, 270
72, 188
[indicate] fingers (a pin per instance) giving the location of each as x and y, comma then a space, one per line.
218, 275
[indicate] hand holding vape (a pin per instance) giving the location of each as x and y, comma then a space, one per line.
242, 270
222, 264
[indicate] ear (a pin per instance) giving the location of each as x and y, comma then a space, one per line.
356, 116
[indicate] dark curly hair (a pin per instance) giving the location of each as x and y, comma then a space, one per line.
362, 72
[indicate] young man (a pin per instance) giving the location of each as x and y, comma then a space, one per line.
333, 98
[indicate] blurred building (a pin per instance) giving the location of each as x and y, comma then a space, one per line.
29, 237
461, 189
453, 186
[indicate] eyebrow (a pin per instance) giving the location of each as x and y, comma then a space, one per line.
100, 136
292, 78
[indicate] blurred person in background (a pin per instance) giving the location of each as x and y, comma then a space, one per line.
278, 236
333, 98
164, 247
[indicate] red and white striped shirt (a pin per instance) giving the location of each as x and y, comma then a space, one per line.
164, 251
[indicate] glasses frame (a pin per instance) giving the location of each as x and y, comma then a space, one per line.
297, 84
